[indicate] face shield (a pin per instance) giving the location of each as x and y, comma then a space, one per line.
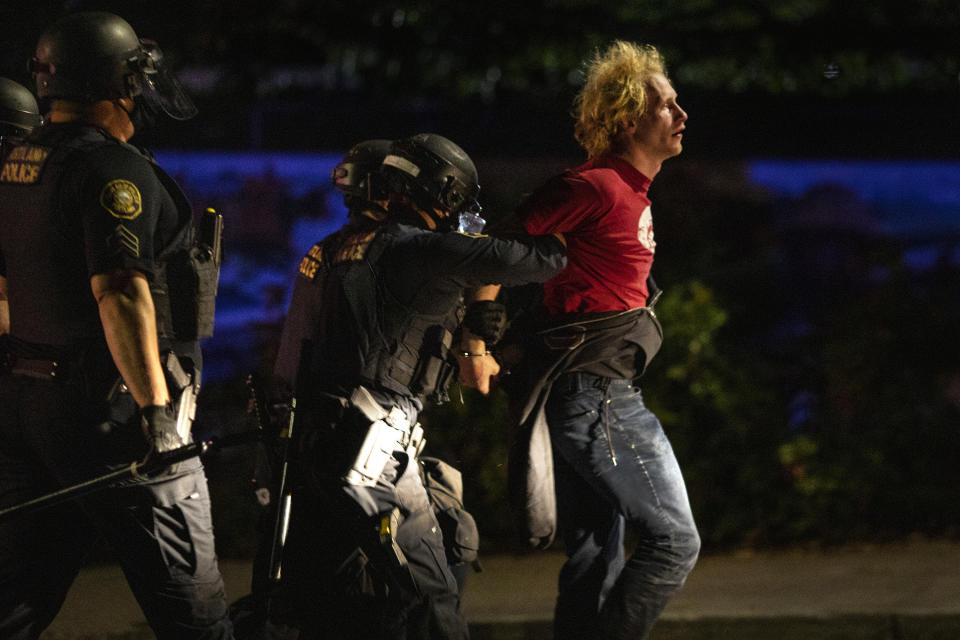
159, 87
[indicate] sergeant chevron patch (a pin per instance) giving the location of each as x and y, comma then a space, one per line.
125, 240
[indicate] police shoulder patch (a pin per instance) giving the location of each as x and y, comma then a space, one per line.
121, 199
311, 262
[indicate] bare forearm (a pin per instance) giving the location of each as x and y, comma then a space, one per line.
127, 315
486, 292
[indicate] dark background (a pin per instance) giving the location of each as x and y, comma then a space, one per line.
809, 380
788, 77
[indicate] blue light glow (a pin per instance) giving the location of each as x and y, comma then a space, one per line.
909, 197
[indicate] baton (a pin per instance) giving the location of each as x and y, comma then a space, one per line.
281, 523
281, 502
284, 501
153, 464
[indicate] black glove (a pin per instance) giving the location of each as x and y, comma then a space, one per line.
486, 319
160, 422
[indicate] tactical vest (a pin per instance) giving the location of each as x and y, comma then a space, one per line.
185, 282
345, 328
188, 273
47, 280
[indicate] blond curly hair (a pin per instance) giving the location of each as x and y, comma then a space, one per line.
615, 92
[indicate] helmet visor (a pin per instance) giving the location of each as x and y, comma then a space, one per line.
160, 87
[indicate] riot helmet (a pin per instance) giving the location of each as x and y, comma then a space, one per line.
357, 175
95, 55
18, 109
435, 175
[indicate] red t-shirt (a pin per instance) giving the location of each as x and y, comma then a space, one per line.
602, 209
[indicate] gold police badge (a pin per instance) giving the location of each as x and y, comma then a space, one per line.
121, 199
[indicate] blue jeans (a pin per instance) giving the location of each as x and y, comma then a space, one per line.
614, 465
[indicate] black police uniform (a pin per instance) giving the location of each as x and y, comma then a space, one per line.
375, 307
75, 202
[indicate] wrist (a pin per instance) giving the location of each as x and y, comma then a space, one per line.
154, 409
469, 343
158, 414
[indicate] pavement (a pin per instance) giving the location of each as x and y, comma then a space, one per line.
902, 591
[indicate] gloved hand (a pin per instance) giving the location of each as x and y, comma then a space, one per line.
160, 427
486, 319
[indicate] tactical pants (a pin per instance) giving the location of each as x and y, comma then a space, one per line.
160, 530
614, 465
342, 581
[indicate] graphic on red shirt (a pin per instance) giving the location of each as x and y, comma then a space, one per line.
645, 230
603, 211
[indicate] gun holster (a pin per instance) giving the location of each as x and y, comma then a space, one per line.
388, 431
120, 409
184, 387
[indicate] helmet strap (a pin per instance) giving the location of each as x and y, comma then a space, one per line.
427, 218
143, 115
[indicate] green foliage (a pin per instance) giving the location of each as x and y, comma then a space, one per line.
721, 410
879, 449
843, 429
426, 47
843, 432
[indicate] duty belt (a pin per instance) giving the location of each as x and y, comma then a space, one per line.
41, 369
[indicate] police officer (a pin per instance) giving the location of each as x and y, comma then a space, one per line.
19, 113
369, 339
108, 297
18, 117
357, 177
353, 177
